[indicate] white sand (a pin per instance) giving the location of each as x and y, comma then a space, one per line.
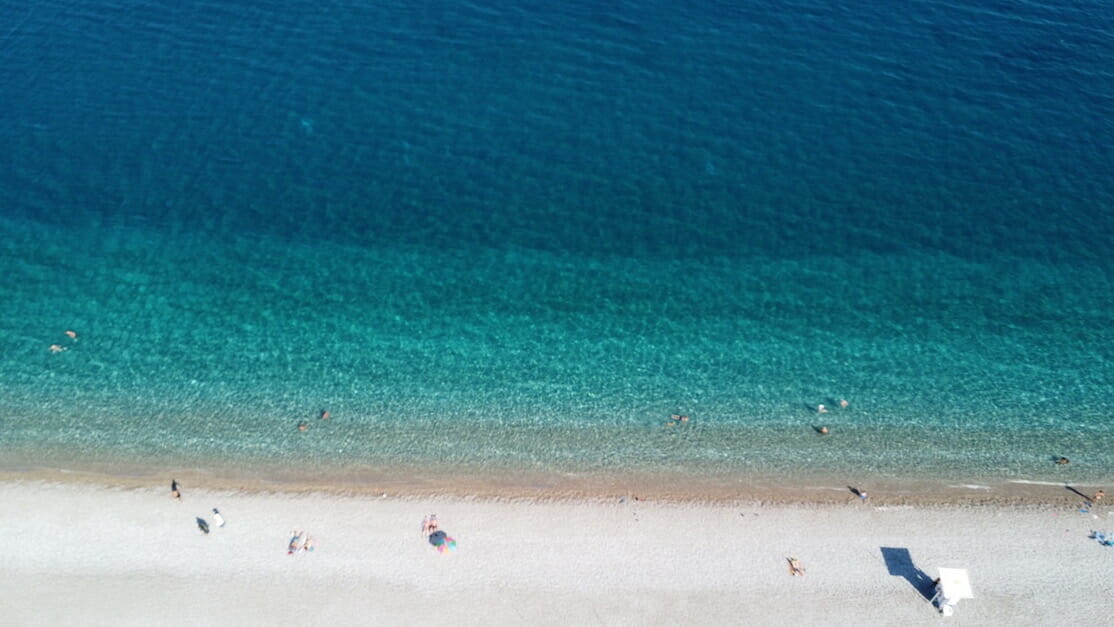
85, 555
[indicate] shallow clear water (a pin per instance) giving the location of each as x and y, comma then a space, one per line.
522, 236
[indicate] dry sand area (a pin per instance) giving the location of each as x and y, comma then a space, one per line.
80, 554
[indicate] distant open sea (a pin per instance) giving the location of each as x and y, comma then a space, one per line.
519, 235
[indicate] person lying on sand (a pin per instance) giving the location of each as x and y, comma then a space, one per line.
795, 567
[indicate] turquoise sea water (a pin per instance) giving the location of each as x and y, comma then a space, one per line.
521, 235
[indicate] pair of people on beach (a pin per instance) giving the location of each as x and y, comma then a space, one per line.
299, 541
440, 540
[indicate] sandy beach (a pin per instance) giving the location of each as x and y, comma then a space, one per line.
82, 553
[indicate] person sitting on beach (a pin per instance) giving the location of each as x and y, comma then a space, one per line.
295, 542
1097, 498
429, 525
795, 567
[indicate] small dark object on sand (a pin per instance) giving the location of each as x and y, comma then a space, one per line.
202, 525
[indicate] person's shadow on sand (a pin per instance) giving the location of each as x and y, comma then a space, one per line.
900, 564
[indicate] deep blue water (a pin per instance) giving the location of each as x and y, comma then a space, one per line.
522, 234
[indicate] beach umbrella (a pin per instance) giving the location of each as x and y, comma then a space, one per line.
952, 586
442, 541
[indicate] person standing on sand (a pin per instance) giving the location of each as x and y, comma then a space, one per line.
1097, 498
174, 491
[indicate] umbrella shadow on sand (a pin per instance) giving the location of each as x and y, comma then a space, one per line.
900, 564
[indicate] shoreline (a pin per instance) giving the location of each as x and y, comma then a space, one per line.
540, 486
